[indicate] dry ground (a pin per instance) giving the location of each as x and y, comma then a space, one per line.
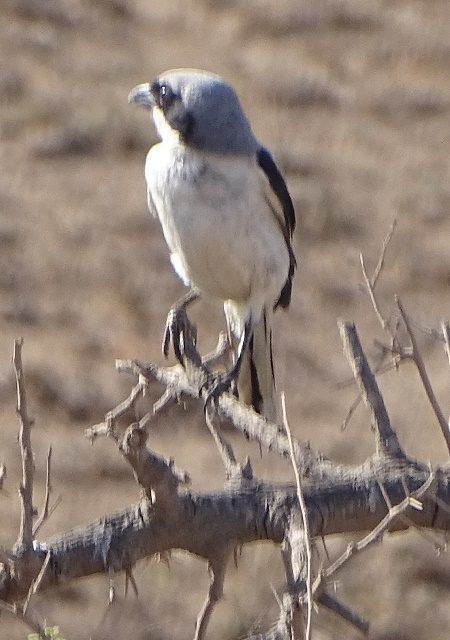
353, 98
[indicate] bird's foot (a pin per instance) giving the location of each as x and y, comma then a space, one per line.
219, 383
179, 330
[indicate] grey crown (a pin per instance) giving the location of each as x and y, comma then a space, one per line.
207, 112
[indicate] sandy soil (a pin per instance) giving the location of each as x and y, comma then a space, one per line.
353, 98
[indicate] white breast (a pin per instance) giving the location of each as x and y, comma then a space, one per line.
222, 234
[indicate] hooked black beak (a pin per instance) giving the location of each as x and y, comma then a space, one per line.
142, 95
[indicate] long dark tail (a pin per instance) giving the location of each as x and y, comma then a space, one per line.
256, 381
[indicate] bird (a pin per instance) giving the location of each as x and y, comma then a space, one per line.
226, 216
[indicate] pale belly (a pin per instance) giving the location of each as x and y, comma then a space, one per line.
222, 235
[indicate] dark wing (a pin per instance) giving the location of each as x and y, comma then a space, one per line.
283, 200
276, 181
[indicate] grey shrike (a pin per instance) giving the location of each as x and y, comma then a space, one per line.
226, 215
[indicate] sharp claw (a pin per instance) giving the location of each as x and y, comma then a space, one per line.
178, 327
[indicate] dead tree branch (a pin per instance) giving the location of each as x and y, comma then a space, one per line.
297, 552
388, 492
386, 437
25, 539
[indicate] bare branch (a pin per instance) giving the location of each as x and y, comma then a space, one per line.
242, 417
333, 604
25, 538
371, 282
35, 584
371, 289
305, 521
211, 525
118, 411
167, 398
217, 568
294, 560
233, 469
418, 361
412, 500
387, 438
129, 579
355, 404
380, 265
46, 509
158, 477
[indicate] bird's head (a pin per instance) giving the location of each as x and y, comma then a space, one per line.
200, 108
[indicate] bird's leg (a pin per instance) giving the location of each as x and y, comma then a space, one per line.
223, 382
179, 329
230, 338
242, 347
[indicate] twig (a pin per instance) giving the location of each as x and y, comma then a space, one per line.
46, 509
380, 265
355, 404
370, 288
233, 468
416, 504
173, 378
36, 583
167, 398
137, 391
380, 369
382, 526
305, 520
217, 569
371, 282
333, 604
387, 438
418, 361
25, 539
107, 427
243, 418
129, 579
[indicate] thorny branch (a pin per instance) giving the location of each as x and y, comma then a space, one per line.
153, 471
410, 501
247, 509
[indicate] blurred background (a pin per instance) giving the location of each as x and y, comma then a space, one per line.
353, 99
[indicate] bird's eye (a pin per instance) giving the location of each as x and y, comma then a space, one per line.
166, 96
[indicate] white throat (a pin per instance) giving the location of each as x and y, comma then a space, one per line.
165, 131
